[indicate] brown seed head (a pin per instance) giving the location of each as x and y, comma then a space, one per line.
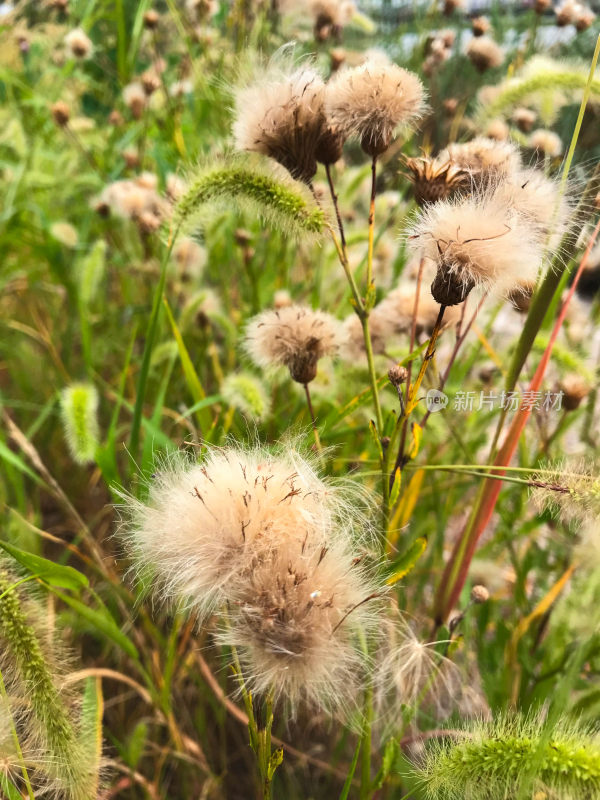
61, 113
151, 19
480, 26
371, 101
295, 337
397, 375
479, 594
434, 179
575, 389
485, 53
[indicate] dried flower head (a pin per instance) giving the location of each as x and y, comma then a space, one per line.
151, 20
295, 337
485, 53
584, 19
547, 142
485, 159
136, 199
283, 118
450, 6
395, 312
260, 537
190, 259
524, 118
575, 389
498, 130
434, 179
372, 100
298, 619
409, 671
567, 12
353, 348
330, 17
61, 113
282, 299
135, 99
476, 241
79, 44
480, 26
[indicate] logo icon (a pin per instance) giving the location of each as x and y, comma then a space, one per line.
436, 400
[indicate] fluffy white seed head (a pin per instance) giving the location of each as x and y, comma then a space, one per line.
372, 100
295, 337
483, 158
135, 98
282, 116
547, 142
538, 200
353, 348
203, 526
479, 240
79, 44
298, 619
485, 53
396, 311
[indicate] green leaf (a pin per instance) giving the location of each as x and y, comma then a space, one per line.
275, 761
102, 621
389, 758
405, 563
91, 725
9, 789
54, 574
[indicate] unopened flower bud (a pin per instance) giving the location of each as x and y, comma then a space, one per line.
397, 375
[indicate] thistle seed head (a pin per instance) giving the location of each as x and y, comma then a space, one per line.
371, 101
295, 337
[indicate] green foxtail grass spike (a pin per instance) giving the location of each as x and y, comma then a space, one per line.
79, 409
511, 757
255, 188
27, 665
247, 394
517, 89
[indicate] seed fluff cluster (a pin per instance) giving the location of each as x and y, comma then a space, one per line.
493, 234
298, 120
295, 337
261, 539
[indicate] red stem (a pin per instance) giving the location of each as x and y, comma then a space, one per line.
465, 547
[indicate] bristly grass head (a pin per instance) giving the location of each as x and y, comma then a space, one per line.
570, 490
79, 411
245, 392
252, 186
513, 755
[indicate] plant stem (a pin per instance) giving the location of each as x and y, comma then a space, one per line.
371, 222
15, 738
365, 756
455, 573
313, 418
148, 346
362, 309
